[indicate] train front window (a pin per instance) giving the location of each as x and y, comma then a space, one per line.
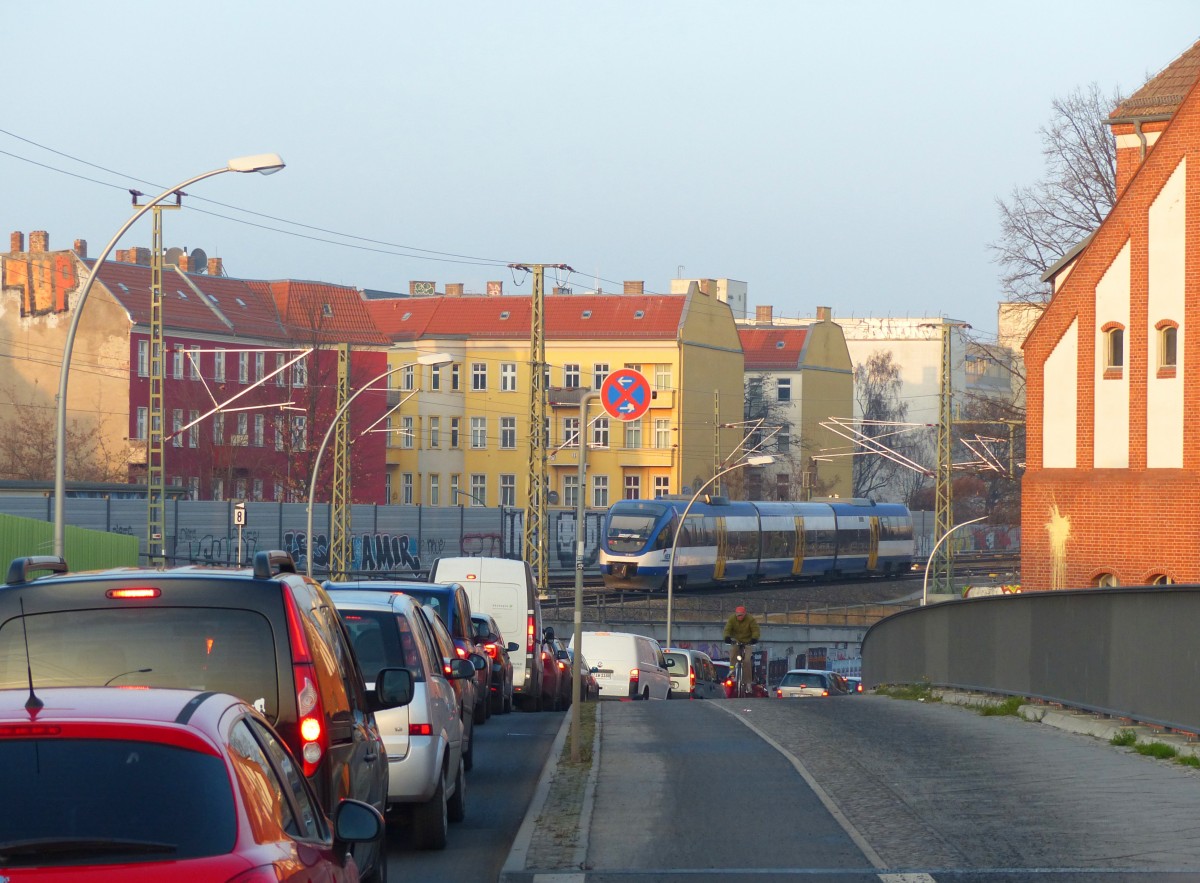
629, 533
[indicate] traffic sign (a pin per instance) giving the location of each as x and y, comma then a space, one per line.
625, 394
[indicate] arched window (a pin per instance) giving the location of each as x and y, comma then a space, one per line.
1114, 346
1106, 580
1168, 347
1160, 579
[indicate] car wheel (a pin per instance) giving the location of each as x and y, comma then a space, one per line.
430, 819
479, 715
668, 692
456, 807
496, 701
508, 701
378, 872
646, 695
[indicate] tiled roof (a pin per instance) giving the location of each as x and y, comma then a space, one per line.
772, 349
1164, 92
319, 312
224, 306
567, 317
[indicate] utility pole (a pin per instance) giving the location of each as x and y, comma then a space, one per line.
535, 511
339, 507
155, 468
942, 561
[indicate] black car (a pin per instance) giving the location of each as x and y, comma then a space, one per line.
492, 644
269, 636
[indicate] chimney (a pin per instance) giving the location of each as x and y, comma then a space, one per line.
16, 242
39, 240
638, 287
184, 263
708, 287
824, 314
454, 289
417, 288
763, 315
140, 256
215, 267
81, 248
495, 289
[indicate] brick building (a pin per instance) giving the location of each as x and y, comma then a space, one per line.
1113, 471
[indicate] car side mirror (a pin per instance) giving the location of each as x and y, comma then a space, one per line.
478, 662
393, 688
563, 654
548, 633
357, 822
670, 663
513, 646
462, 668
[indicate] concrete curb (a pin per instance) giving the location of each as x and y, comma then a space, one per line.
514, 869
1083, 723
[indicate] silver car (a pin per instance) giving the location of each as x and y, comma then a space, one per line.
800, 683
424, 740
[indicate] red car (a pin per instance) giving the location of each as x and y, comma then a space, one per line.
159, 784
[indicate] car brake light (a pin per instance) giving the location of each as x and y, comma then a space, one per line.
824, 692
314, 739
561, 665
490, 650
692, 678
634, 674
778, 694
545, 656
529, 635
462, 654
420, 729
25, 731
132, 594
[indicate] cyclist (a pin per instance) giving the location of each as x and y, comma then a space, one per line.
741, 630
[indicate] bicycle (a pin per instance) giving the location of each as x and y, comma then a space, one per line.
737, 659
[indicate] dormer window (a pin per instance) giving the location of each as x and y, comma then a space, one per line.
504, 314
779, 344
326, 310
241, 303
639, 314
587, 314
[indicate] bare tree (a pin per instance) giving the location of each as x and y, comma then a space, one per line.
27, 447
877, 388
1041, 223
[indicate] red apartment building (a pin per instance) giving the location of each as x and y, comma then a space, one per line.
1111, 491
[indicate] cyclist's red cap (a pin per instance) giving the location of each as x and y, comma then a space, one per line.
739, 610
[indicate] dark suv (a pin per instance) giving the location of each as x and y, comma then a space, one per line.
450, 602
270, 636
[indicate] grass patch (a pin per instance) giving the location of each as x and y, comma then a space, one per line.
922, 692
1161, 750
1009, 707
1188, 760
587, 727
1124, 738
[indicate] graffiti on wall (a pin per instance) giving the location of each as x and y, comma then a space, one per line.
369, 552
211, 548
43, 282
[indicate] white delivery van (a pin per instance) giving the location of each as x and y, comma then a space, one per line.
627, 666
504, 589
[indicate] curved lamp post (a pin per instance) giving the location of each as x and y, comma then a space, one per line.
425, 359
760, 460
264, 163
925, 581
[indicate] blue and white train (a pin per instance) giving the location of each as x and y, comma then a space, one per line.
726, 543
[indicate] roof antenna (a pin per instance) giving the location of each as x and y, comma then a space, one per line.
33, 704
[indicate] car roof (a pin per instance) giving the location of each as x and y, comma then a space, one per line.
809, 671
159, 705
354, 599
389, 585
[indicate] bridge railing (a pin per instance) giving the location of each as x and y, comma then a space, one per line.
1128, 652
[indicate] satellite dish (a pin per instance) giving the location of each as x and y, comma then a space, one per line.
552, 497
173, 255
198, 261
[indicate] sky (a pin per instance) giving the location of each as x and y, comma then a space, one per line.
842, 154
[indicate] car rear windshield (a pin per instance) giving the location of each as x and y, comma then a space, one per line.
383, 639
109, 801
224, 650
794, 679
434, 600
680, 666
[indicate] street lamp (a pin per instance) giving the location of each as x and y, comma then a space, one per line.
264, 163
423, 359
925, 581
759, 460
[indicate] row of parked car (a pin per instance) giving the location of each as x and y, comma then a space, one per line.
252, 722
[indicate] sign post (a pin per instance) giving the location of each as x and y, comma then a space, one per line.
239, 521
625, 394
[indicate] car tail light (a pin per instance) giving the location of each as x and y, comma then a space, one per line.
634, 675
420, 729
529, 635
824, 692
462, 654
26, 731
692, 679
858, 688
561, 665
132, 594
545, 656
778, 694
314, 740
490, 650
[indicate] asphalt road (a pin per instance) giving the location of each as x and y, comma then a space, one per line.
870, 788
510, 751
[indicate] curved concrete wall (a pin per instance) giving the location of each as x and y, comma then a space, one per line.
1131, 652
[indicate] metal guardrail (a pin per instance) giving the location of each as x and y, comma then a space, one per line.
1086, 649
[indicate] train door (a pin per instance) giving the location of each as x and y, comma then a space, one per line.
722, 548
873, 554
798, 557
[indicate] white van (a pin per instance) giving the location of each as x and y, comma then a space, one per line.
627, 666
504, 589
